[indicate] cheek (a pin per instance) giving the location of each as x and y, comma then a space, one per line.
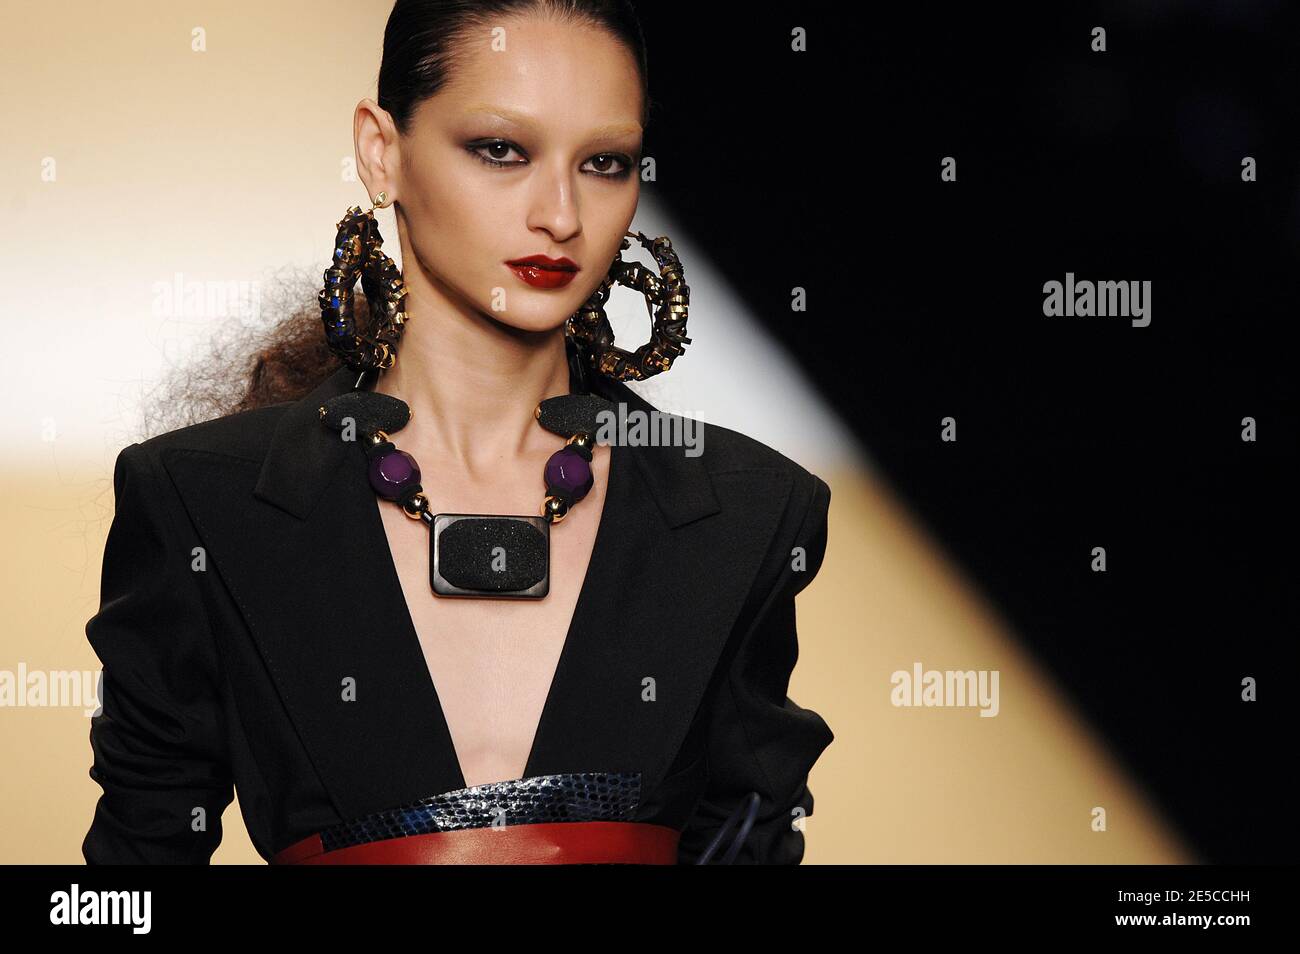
449, 206
460, 233
612, 233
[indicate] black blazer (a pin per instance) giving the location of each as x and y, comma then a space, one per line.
230, 676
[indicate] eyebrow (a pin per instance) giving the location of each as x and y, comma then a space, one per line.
606, 132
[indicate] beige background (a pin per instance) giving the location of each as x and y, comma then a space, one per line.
230, 164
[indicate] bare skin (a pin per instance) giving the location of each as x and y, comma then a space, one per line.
482, 347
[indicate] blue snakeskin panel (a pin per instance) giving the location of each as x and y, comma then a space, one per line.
576, 797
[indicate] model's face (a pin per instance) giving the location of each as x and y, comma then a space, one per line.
529, 150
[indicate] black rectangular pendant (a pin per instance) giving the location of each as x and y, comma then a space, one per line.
490, 556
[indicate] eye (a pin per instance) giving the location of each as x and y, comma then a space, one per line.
495, 152
498, 149
605, 159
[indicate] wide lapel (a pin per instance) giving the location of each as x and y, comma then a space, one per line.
299, 542
675, 556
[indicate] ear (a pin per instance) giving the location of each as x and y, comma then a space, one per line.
378, 153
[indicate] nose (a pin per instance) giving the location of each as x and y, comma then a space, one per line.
553, 205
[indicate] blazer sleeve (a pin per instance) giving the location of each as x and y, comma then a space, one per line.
158, 743
760, 740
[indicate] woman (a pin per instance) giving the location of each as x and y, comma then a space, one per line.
287, 607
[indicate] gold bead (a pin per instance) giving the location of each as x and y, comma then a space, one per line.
420, 502
554, 509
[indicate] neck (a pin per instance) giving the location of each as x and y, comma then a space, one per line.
473, 384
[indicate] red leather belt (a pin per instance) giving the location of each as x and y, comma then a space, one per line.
546, 843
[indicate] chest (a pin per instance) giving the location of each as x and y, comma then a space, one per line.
492, 662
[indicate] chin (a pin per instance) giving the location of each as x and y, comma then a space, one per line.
532, 319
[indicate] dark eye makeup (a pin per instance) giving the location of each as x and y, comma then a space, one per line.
478, 147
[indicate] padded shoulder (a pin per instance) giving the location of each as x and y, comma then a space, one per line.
246, 434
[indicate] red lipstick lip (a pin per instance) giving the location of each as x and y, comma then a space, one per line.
542, 276
543, 261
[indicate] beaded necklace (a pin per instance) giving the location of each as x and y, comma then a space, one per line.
488, 556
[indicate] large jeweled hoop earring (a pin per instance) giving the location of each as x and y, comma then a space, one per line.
667, 297
358, 247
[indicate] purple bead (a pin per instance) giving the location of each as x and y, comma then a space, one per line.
567, 470
392, 473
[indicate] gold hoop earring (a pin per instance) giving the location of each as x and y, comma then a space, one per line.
358, 247
667, 297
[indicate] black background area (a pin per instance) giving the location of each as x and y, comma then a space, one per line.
925, 299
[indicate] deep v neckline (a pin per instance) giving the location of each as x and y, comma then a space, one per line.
611, 508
